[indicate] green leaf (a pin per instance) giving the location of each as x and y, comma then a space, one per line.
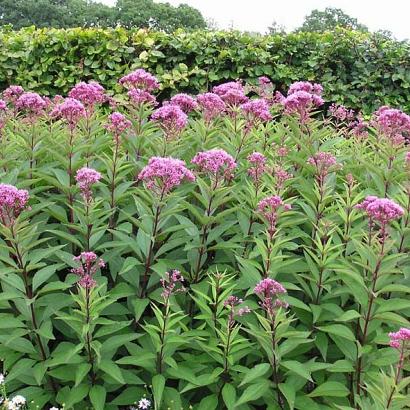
338, 330
298, 368
112, 369
258, 371
158, 384
253, 392
289, 392
97, 397
229, 395
331, 389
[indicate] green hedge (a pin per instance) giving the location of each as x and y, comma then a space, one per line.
360, 70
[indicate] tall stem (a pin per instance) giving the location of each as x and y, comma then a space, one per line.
275, 364
112, 185
396, 378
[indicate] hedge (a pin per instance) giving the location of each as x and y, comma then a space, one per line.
357, 69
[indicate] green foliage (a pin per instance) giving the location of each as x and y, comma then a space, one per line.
88, 13
360, 70
330, 19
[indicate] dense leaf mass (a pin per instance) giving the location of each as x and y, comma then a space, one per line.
210, 253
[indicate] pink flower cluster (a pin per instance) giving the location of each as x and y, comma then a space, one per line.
215, 162
392, 123
185, 102
269, 208
281, 176
323, 163
138, 97
382, 210
301, 103
231, 303
341, 113
163, 174
31, 103
90, 94
140, 79
256, 111
86, 178
70, 110
258, 165
12, 202
400, 338
89, 264
117, 124
211, 105
170, 282
171, 119
305, 86
12, 93
232, 93
268, 290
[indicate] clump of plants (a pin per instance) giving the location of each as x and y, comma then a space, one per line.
238, 249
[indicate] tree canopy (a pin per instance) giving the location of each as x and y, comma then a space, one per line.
87, 13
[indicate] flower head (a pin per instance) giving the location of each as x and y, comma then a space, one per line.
12, 202
231, 303
301, 103
171, 118
16, 403
323, 163
211, 105
144, 404
185, 102
215, 162
12, 93
117, 124
341, 113
258, 165
400, 338
86, 177
382, 210
170, 284
256, 111
269, 209
392, 123
281, 176
306, 86
163, 174
89, 94
269, 291
138, 97
89, 263
71, 110
31, 103
232, 93
140, 79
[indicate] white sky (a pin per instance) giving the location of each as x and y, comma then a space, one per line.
257, 15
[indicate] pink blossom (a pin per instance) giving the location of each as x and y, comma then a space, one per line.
3, 105
88, 266
216, 162
282, 151
138, 97
185, 102
392, 123
382, 210
400, 338
211, 105
171, 118
117, 124
269, 208
12, 93
256, 111
301, 103
163, 174
140, 79
232, 93
12, 202
86, 178
31, 103
231, 303
71, 110
323, 162
268, 290
281, 176
341, 113
89, 94
305, 86
258, 166
170, 284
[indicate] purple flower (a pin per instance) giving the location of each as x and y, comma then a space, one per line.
301, 103
256, 112
12, 93
12, 202
341, 113
170, 284
185, 102
117, 124
86, 177
399, 339
323, 162
382, 210
306, 86
392, 123
268, 290
31, 103
211, 105
163, 174
215, 162
138, 97
171, 118
257, 167
71, 110
231, 93
140, 79
88, 266
89, 94
269, 208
